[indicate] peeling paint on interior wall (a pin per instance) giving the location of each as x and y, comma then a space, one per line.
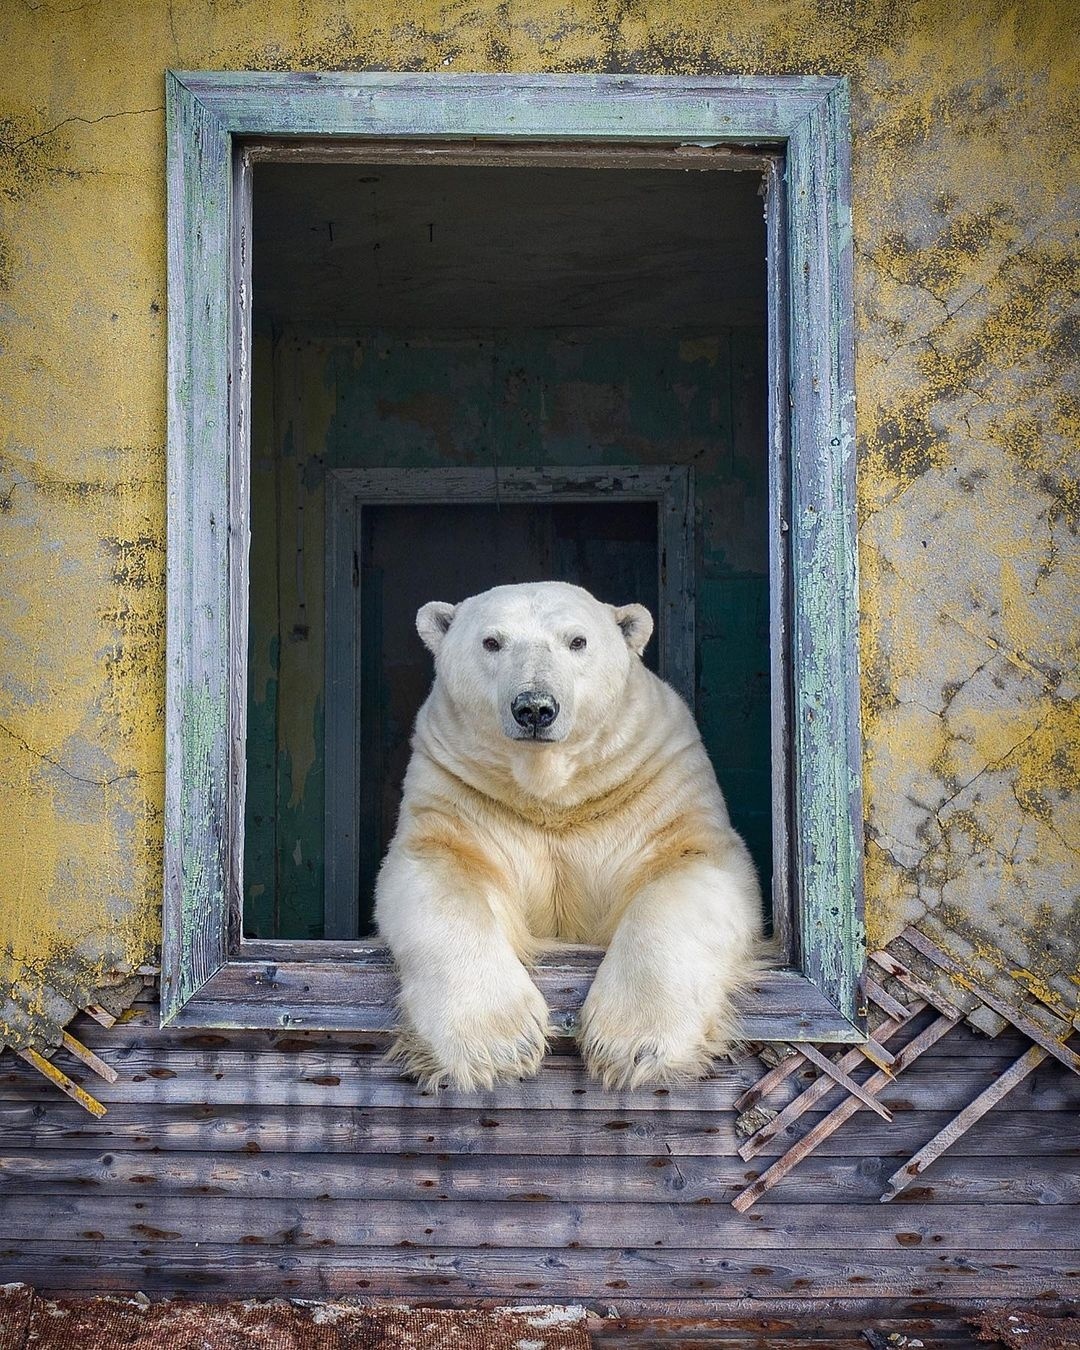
964, 155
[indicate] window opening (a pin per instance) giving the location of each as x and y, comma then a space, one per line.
497, 319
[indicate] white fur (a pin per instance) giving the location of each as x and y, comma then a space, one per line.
612, 832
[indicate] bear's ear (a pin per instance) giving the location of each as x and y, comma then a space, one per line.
432, 621
636, 624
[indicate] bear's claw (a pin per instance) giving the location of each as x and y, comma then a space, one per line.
620, 1065
472, 1063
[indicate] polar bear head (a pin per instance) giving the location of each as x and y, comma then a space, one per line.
541, 663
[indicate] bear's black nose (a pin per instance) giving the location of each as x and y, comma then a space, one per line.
534, 711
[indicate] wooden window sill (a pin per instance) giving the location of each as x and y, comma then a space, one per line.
351, 986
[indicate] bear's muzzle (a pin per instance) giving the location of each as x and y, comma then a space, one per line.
534, 711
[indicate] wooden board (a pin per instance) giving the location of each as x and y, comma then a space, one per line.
349, 991
314, 1078
467, 1224
983, 1179
555, 1134
139, 1026
622, 1276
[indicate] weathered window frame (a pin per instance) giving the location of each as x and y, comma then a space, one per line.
211, 975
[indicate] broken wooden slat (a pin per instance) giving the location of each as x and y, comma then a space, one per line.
832, 1122
92, 1061
100, 1014
63, 1082
919, 987
768, 1082
891, 1007
984, 1102
1031, 1029
821, 1087
871, 1049
876, 1053
837, 1074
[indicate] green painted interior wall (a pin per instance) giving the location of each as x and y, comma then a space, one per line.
586, 396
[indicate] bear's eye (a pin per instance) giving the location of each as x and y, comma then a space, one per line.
492, 645
578, 644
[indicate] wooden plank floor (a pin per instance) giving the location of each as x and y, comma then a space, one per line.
268, 1163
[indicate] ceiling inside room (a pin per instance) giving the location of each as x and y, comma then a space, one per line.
439, 246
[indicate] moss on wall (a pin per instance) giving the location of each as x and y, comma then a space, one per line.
965, 173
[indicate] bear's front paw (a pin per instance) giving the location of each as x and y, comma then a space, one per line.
621, 1061
498, 1036
631, 1046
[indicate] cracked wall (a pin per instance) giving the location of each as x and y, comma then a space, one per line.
965, 200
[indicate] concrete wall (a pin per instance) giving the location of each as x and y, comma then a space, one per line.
965, 173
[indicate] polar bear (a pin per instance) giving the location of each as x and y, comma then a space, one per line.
558, 791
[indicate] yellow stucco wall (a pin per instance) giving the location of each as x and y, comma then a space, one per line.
965, 192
